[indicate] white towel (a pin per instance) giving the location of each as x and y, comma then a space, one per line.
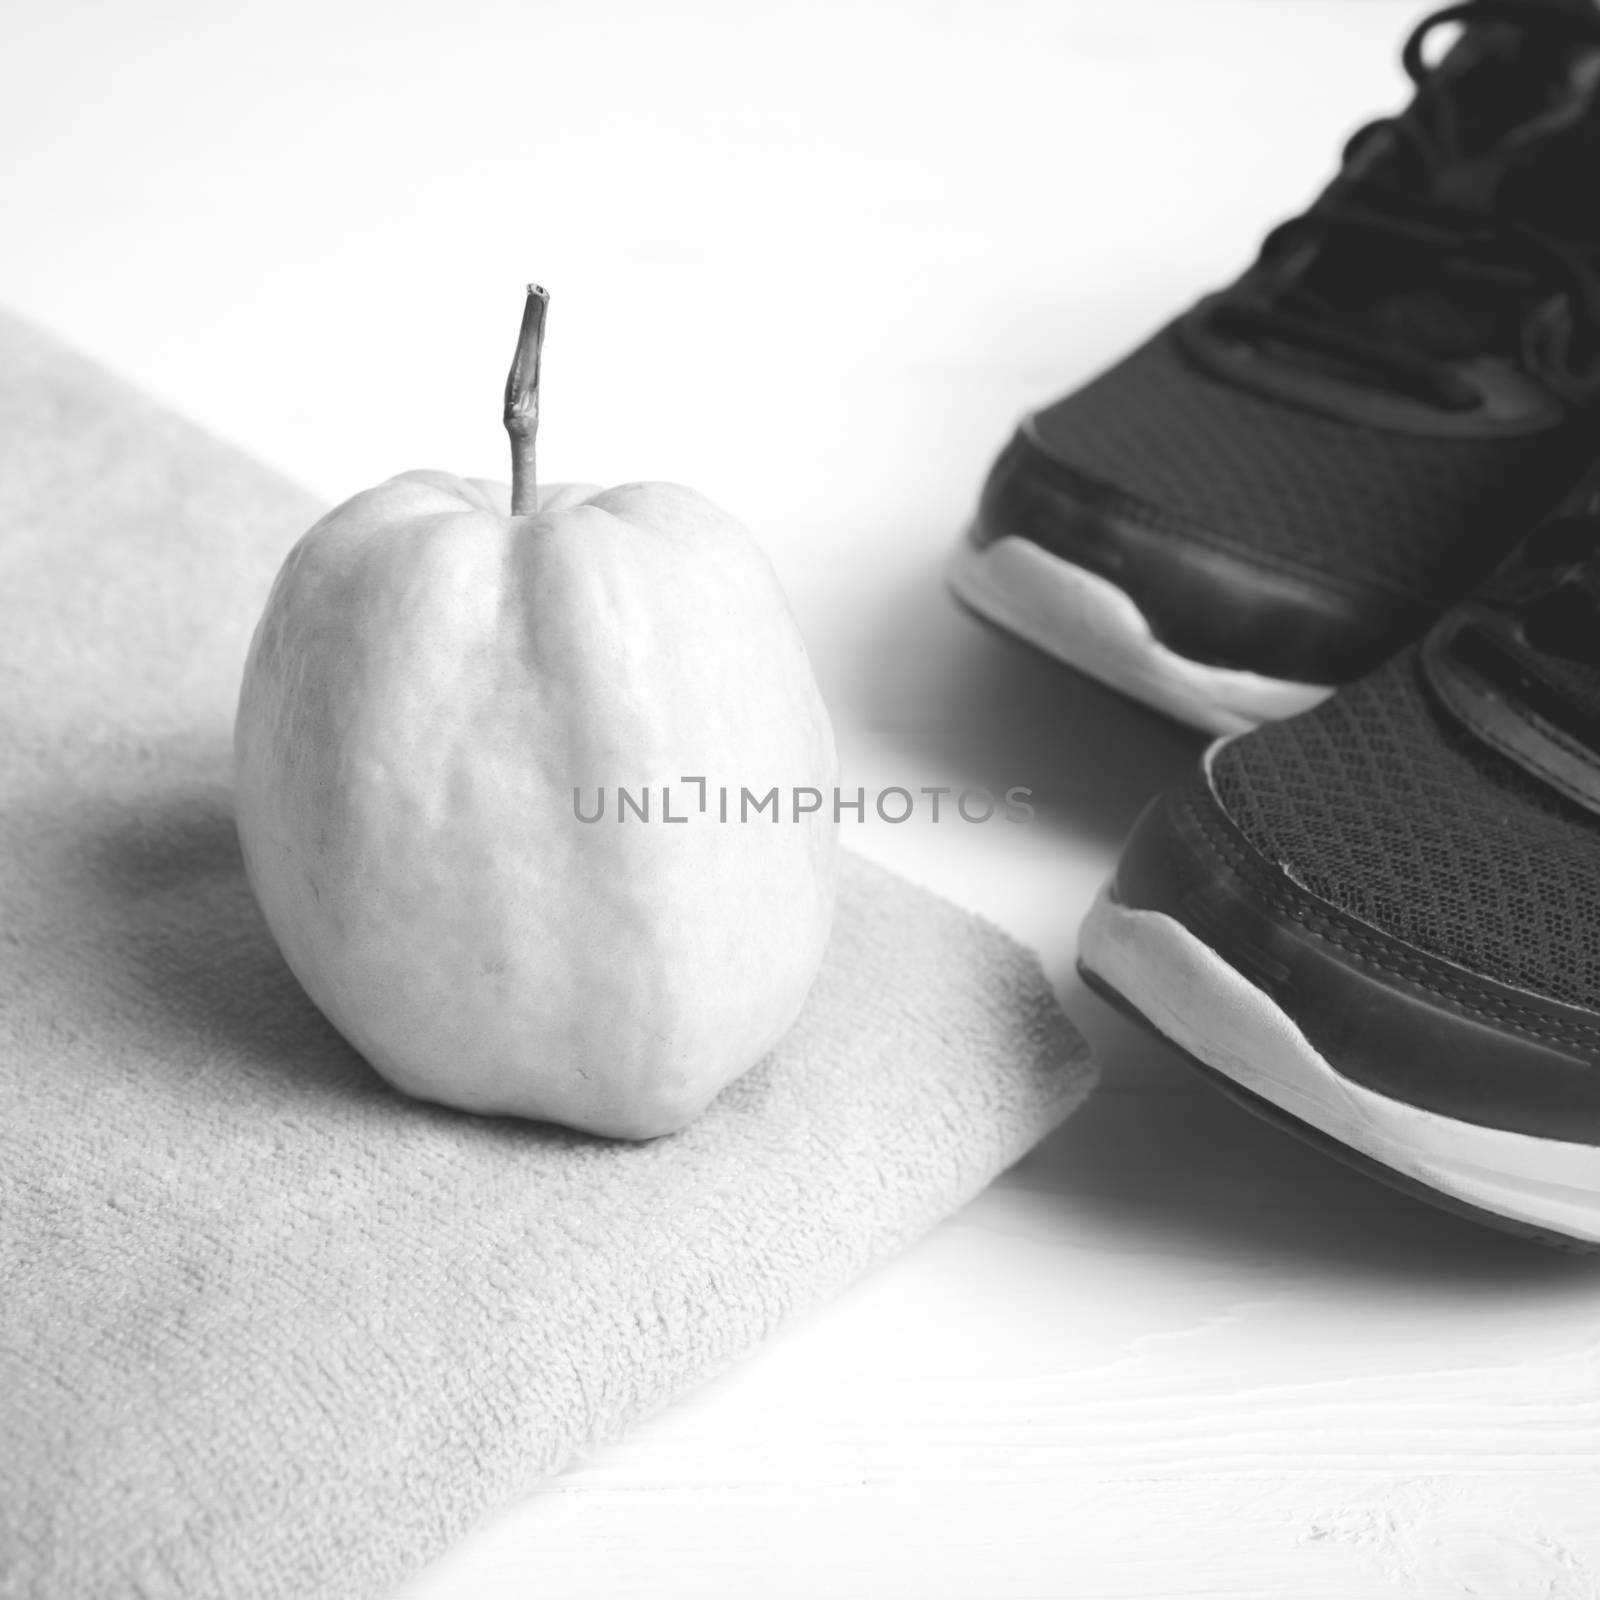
267, 1329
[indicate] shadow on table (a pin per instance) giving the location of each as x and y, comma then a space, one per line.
165, 886
1160, 1161
938, 682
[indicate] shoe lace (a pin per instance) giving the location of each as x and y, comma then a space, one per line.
1535, 295
1530, 640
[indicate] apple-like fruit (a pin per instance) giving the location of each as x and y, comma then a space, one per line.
449, 678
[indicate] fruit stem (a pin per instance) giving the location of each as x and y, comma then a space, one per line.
522, 403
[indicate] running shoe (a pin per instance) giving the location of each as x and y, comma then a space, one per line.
1289, 482
1379, 921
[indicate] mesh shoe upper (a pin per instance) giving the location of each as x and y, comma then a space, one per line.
1420, 516
1377, 804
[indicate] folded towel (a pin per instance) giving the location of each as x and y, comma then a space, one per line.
268, 1329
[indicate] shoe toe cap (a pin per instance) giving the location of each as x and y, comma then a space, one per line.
1382, 1013
1201, 596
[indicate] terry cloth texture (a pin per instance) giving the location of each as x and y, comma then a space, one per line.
268, 1329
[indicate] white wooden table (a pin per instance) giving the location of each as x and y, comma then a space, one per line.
814, 259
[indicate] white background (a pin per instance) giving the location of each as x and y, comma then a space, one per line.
814, 260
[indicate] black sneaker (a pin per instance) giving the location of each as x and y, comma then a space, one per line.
1380, 919
1289, 482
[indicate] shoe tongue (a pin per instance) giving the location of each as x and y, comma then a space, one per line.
1513, 117
1547, 176
1512, 114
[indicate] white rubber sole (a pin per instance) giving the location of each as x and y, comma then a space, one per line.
1189, 993
1088, 622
